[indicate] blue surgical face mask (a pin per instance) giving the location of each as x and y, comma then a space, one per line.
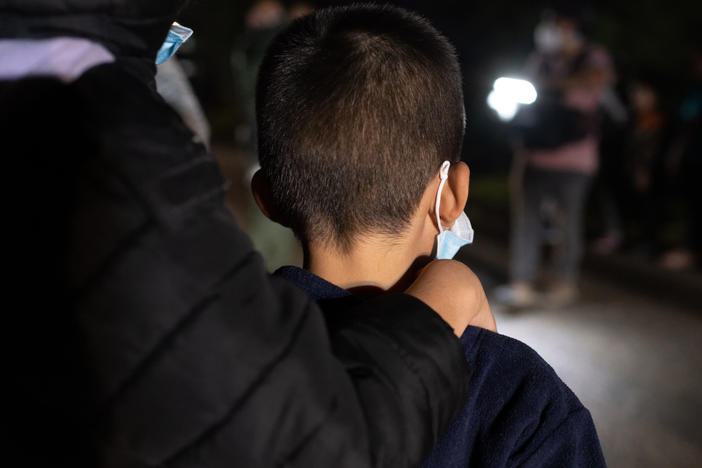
177, 35
461, 233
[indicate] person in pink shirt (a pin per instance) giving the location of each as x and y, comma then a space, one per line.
557, 156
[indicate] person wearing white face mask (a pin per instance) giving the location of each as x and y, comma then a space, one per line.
556, 156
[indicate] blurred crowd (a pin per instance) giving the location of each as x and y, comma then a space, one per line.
648, 190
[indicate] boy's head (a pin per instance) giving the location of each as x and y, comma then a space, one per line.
357, 107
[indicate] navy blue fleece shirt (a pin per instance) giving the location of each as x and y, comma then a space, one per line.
518, 413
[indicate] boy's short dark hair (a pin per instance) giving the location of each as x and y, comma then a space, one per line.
356, 108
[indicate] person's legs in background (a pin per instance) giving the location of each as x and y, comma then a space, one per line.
571, 190
526, 234
525, 241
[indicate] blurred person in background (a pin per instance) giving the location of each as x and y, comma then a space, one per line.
262, 22
173, 84
608, 189
557, 155
642, 155
684, 166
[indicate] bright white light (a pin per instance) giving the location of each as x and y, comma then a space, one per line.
521, 91
508, 94
505, 107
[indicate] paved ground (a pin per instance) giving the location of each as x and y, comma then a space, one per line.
636, 363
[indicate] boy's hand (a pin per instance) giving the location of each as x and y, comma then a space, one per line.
455, 293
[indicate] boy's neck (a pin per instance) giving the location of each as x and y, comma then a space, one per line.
373, 263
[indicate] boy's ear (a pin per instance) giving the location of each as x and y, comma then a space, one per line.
262, 194
454, 194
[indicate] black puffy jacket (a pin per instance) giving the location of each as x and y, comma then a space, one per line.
144, 330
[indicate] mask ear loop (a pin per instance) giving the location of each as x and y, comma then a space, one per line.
443, 175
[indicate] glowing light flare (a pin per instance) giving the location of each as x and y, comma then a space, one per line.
505, 107
521, 91
508, 94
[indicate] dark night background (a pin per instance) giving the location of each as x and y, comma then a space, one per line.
492, 38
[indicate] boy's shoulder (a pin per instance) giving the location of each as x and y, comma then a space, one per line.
519, 412
516, 365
